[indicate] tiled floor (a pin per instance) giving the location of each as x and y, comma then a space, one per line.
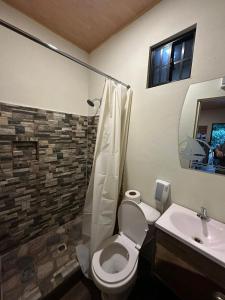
35, 269
83, 290
148, 287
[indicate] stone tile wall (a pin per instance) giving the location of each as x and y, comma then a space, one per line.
45, 162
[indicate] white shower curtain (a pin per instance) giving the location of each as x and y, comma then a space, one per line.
103, 191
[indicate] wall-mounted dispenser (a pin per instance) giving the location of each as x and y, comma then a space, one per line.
223, 83
162, 191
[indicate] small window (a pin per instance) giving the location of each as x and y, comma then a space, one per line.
171, 61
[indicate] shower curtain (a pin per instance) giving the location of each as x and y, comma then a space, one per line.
99, 213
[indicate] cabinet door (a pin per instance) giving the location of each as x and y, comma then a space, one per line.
173, 266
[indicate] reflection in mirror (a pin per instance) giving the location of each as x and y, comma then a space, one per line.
202, 128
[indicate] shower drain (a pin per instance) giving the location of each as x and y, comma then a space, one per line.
62, 248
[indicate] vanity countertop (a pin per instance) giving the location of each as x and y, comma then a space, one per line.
204, 236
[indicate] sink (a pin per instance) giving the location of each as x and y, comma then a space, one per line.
205, 236
209, 233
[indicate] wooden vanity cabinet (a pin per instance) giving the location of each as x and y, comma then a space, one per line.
188, 273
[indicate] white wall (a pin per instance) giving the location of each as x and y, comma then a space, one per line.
31, 75
153, 138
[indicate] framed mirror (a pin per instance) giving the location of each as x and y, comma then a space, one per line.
202, 128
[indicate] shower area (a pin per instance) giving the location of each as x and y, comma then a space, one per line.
46, 153
46, 159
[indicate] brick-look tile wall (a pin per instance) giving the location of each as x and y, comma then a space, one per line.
45, 157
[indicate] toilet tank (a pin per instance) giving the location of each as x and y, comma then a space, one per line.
151, 214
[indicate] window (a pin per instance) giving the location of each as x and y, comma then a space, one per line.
171, 61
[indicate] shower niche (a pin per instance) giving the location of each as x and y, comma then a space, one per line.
23, 153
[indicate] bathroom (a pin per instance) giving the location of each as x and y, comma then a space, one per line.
64, 65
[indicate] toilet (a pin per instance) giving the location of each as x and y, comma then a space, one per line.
114, 264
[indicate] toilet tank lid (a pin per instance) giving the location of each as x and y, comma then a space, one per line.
151, 214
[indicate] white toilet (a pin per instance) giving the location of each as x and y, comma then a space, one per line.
114, 265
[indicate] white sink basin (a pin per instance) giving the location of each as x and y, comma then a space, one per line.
207, 237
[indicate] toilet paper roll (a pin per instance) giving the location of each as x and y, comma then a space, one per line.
133, 195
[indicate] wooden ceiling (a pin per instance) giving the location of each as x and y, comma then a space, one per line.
86, 23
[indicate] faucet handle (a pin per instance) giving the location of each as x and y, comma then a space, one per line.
203, 210
203, 214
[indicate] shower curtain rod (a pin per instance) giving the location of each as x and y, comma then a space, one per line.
55, 49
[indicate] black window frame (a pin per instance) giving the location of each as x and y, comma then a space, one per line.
171, 42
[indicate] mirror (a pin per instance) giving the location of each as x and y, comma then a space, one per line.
202, 128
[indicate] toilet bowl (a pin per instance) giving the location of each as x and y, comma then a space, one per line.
114, 267
114, 264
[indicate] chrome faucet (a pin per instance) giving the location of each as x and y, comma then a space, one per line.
203, 215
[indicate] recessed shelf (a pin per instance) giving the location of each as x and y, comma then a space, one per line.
24, 152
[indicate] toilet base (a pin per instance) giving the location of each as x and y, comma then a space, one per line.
120, 296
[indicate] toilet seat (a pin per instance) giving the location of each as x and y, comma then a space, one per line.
109, 245
114, 264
